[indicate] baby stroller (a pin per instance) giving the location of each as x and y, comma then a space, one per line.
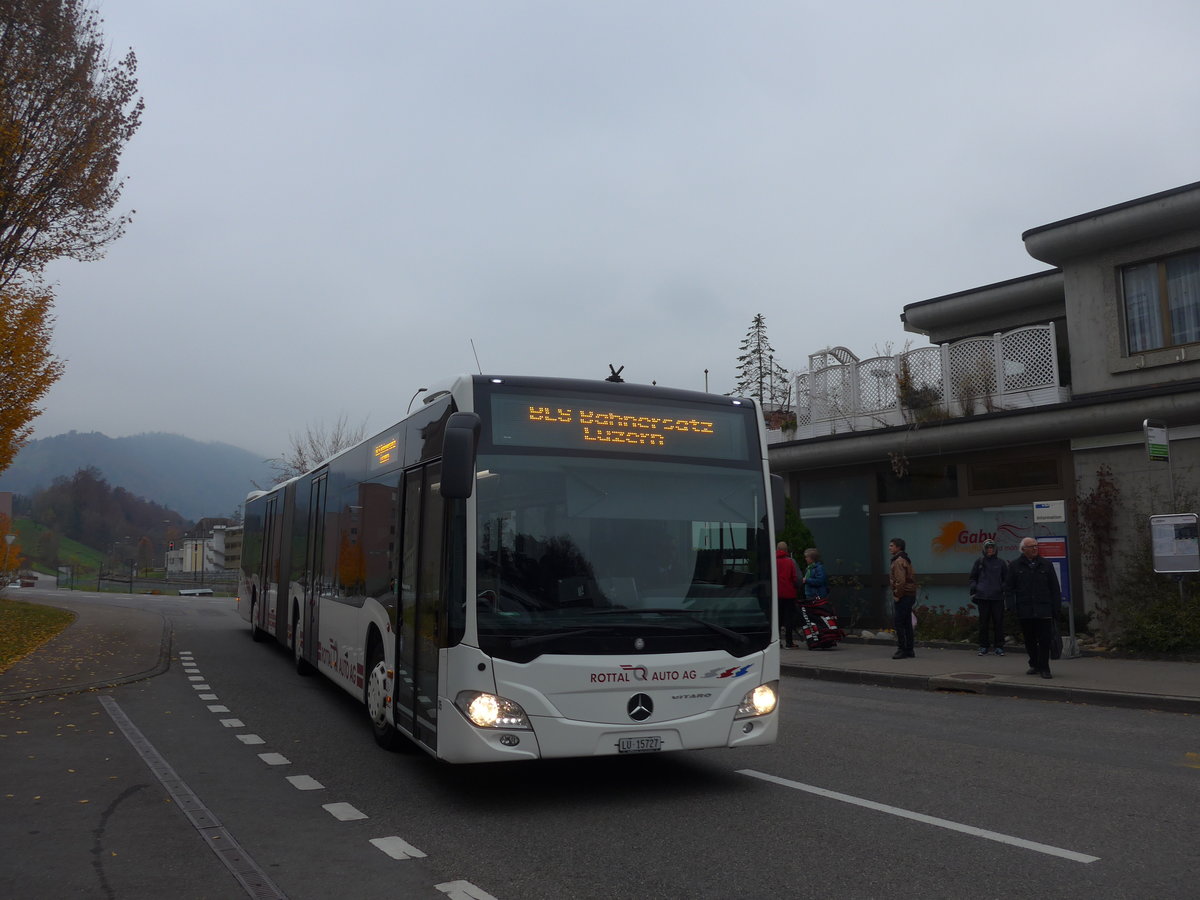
819, 624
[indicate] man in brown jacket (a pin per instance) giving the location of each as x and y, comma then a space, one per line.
904, 595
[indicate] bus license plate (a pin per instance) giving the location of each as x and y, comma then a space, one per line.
647, 744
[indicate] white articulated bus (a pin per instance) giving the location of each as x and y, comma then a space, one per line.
530, 568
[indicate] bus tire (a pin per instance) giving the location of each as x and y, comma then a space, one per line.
303, 666
256, 634
376, 694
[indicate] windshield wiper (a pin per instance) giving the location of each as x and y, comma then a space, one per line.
740, 641
535, 639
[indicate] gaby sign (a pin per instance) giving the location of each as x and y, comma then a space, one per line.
946, 541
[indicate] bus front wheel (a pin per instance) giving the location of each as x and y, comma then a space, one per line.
256, 633
303, 666
378, 695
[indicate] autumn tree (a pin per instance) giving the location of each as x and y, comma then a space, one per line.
66, 113
308, 450
759, 376
10, 552
27, 367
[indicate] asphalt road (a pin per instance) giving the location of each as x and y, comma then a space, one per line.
871, 792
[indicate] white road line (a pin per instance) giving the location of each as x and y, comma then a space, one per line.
218, 708
202, 687
275, 759
233, 723
397, 848
250, 739
463, 890
928, 820
195, 678
209, 697
343, 812
305, 783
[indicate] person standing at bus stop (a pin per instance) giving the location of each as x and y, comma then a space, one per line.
986, 587
904, 598
788, 577
1032, 590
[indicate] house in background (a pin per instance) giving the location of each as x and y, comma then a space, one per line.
1027, 408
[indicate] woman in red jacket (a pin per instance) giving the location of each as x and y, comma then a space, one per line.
787, 576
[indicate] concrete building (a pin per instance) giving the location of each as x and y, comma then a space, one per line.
215, 552
1024, 416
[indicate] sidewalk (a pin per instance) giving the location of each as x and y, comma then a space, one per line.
105, 645
1144, 684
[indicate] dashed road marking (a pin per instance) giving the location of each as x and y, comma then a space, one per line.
463, 890
275, 759
928, 820
250, 739
233, 723
218, 708
305, 783
202, 687
397, 848
343, 812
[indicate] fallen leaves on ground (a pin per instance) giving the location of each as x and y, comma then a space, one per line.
26, 626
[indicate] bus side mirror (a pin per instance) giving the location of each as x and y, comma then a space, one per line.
777, 502
458, 455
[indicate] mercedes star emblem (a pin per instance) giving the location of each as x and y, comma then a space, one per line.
640, 707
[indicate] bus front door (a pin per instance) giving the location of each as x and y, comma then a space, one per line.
420, 597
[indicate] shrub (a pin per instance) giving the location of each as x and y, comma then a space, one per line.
937, 623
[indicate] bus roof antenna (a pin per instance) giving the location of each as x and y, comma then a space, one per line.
477, 365
616, 374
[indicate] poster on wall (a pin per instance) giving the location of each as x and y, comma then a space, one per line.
947, 541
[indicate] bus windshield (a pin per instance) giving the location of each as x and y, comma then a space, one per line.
591, 555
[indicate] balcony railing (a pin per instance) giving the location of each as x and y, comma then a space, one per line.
1008, 370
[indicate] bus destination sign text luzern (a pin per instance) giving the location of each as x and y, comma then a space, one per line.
601, 425
619, 428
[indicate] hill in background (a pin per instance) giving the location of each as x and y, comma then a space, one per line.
191, 477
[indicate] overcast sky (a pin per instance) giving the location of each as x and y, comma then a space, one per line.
333, 200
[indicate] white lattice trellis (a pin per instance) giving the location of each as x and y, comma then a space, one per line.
1005, 371
1029, 359
877, 384
925, 369
972, 367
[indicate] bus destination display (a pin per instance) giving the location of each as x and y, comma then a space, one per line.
600, 424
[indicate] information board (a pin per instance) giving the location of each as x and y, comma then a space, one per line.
1175, 543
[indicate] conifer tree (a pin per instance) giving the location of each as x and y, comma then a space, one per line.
759, 376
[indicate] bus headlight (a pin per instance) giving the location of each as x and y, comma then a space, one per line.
760, 701
485, 710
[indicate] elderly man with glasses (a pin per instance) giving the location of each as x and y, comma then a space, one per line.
1031, 589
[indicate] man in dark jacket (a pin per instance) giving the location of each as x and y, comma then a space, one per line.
986, 586
1031, 589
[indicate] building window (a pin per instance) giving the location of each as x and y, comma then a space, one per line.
1011, 475
1162, 302
921, 480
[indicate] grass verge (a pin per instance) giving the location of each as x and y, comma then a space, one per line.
26, 626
